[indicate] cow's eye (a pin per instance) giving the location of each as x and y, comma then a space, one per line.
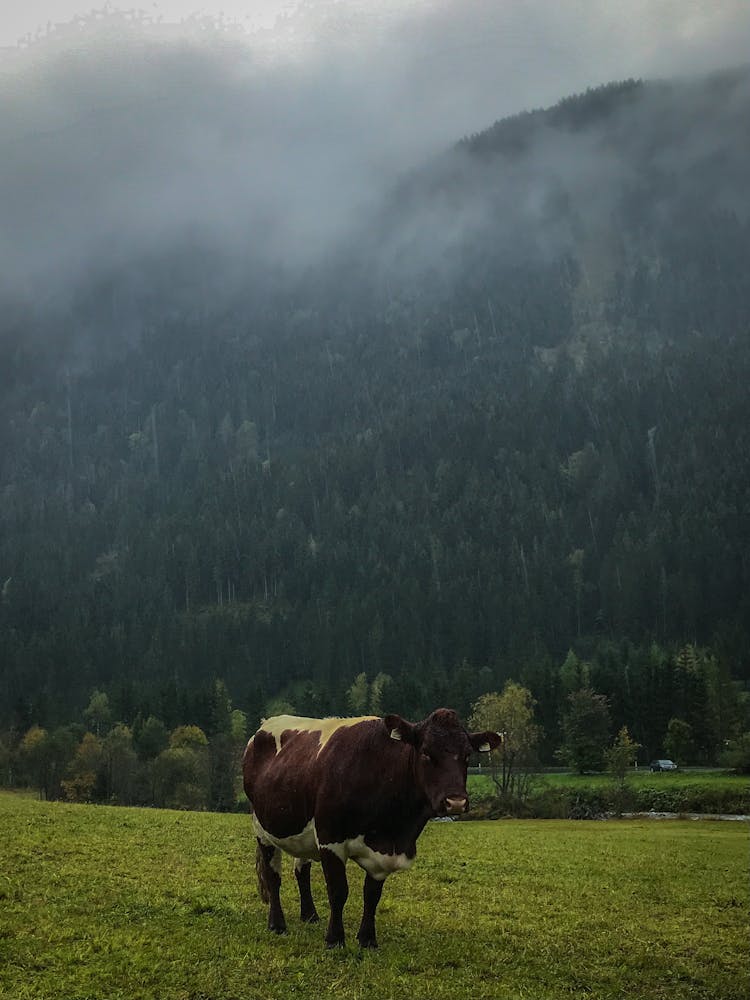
426, 757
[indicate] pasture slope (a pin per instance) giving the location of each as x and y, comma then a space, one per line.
100, 903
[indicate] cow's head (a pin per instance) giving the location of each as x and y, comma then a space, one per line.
441, 748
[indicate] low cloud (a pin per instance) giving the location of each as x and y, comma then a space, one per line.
125, 142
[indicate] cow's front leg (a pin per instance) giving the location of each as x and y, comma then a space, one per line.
308, 913
270, 872
334, 870
372, 892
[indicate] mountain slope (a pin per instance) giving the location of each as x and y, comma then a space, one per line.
507, 416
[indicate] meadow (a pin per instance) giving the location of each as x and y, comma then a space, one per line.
698, 791
103, 903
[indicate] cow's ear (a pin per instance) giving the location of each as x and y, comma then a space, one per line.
485, 741
400, 729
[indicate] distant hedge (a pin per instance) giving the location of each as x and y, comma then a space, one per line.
589, 802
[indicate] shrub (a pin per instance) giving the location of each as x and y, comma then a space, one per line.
703, 798
550, 801
737, 754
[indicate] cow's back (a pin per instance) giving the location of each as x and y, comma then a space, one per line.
292, 760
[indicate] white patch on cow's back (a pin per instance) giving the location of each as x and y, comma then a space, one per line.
326, 727
299, 845
380, 866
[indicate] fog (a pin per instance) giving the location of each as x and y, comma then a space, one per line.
126, 142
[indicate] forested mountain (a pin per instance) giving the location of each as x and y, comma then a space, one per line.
504, 417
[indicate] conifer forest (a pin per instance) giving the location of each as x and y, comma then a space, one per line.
498, 431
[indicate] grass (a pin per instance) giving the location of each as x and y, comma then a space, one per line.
670, 791
642, 778
100, 903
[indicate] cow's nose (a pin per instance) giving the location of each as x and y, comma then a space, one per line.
454, 807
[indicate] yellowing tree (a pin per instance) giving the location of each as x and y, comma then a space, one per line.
512, 714
86, 770
622, 755
181, 772
34, 754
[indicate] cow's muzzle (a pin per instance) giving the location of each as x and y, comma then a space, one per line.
454, 807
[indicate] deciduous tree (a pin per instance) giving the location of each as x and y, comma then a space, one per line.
512, 714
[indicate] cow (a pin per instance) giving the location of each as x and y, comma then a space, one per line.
332, 789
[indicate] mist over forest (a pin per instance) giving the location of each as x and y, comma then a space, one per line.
292, 393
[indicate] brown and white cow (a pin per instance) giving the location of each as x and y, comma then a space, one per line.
332, 789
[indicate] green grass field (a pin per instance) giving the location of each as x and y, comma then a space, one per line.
697, 791
642, 778
114, 903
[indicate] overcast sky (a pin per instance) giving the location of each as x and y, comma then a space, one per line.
461, 63
292, 121
529, 51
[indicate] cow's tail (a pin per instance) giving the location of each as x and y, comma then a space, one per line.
260, 868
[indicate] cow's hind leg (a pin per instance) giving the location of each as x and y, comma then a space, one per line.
372, 892
269, 870
334, 870
308, 913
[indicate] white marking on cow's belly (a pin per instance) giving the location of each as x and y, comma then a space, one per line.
305, 846
380, 866
299, 845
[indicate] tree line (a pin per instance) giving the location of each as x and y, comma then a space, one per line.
142, 762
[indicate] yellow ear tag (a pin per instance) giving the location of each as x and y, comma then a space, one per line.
396, 735
485, 747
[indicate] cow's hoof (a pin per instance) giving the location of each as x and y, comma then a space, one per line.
277, 928
310, 918
367, 942
335, 944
